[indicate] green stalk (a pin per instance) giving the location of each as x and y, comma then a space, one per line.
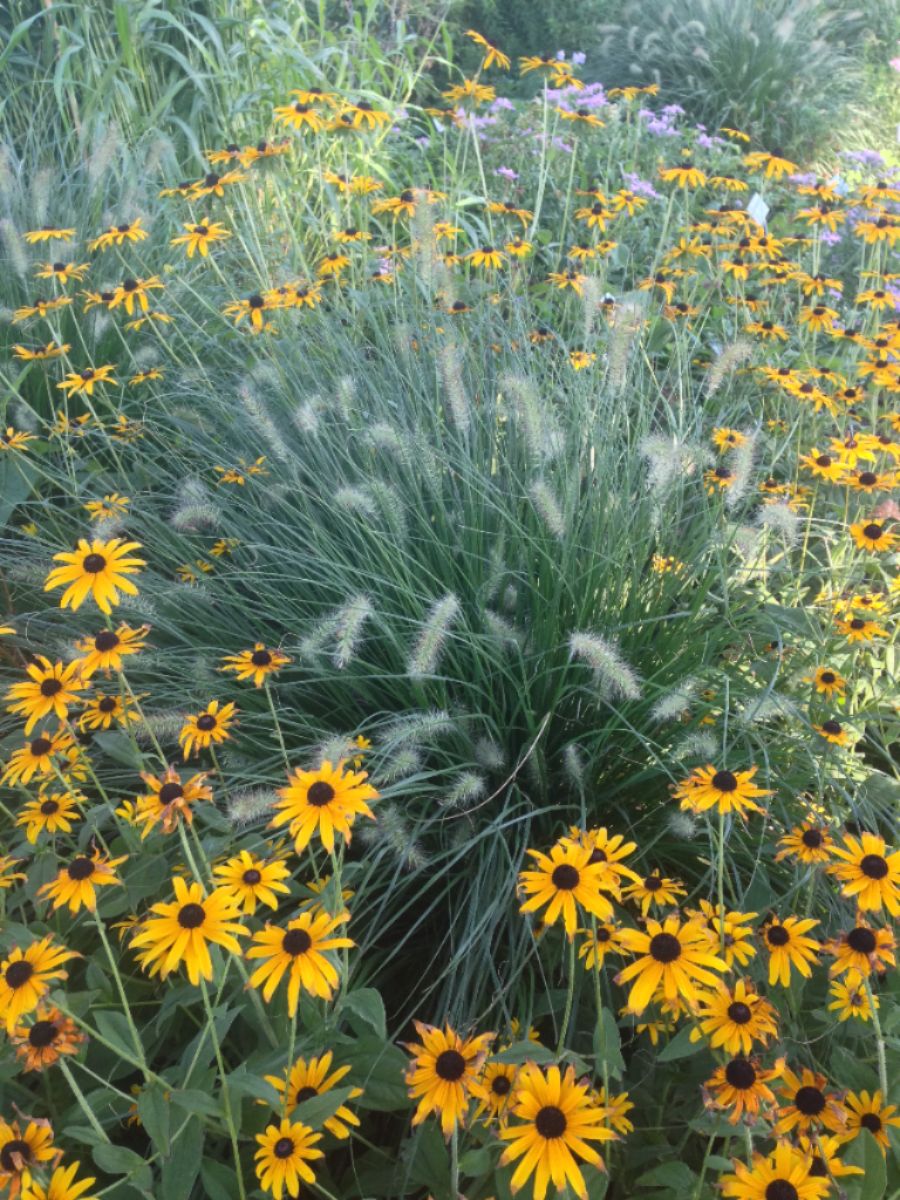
226, 1095
570, 995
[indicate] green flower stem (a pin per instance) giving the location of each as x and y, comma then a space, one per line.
570, 995
82, 1101
278, 733
598, 1004
120, 987
879, 1041
96, 1036
226, 1095
720, 880
454, 1163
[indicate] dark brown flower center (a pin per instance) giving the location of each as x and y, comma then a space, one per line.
832, 727
450, 1066
827, 677
724, 781
80, 868
49, 807
252, 876
873, 532
94, 563
49, 687
565, 877
283, 1148
305, 1093
862, 940
824, 460
665, 947
810, 1101
777, 935
812, 838
42, 1033
191, 916
18, 973
857, 623
871, 1121
14, 1154
781, 1189
550, 1122
260, 658
867, 479
739, 1013
501, 1085
41, 746
170, 792
740, 1074
653, 883
320, 793
873, 866
106, 640
206, 722
296, 941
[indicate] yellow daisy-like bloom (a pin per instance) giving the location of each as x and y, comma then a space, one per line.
741, 1086
654, 890
51, 350
15, 439
103, 711
52, 689
873, 537
169, 799
299, 951
868, 1111
21, 1150
788, 946
182, 929
117, 235
782, 1175
210, 726
862, 950
310, 1077
822, 1152
49, 1036
555, 1119
834, 732
255, 664
732, 931
8, 875
808, 1105
850, 998
563, 880
685, 175
253, 307
499, 1081
869, 873
726, 791
108, 508
285, 1150
48, 233
75, 884
326, 801
858, 629
105, 651
199, 236
824, 466
603, 940
62, 1185
728, 439
444, 1074
492, 56
36, 757
828, 682
97, 568
62, 271
26, 975
809, 843
251, 880
606, 849
84, 382
486, 256
580, 359
718, 479
735, 1017
676, 959
53, 814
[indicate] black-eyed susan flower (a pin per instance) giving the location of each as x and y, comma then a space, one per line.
39, 308
310, 1077
117, 235
850, 998
789, 947
283, 1158
46, 1039
62, 1185
49, 233
51, 349
36, 757
676, 959
685, 175
214, 184
718, 479
824, 466
99, 569
169, 799
252, 880
827, 681
725, 791
866, 1110
809, 843
834, 732
444, 1074
868, 873
200, 235
181, 931
209, 727
873, 537
256, 664
807, 1104
654, 890
823, 1153
51, 689
862, 949
9, 876
724, 438
299, 952
731, 930
733, 1017
552, 1120
600, 941
563, 880
106, 649
50, 813
135, 291
782, 1175
741, 1087
23, 1148
574, 280
109, 508
83, 382
326, 801
607, 849
26, 976
62, 272
492, 56
145, 376
486, 256
364, 115
498, 1080
75, 884
470, 90
253, 307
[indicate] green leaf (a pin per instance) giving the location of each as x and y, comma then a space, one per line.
476, 1162
680, 1046
520, 1052
378, 1068
245, 1083
366, 1003
119, 1160
15, 484
192, 1100
317, 1109
429, 1164
113, 1028
153, 1109
865, 1152
608, 1044
182, 1166
219, 1181
675, 1175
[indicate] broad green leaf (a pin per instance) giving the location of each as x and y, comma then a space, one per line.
865, 1152
366, 1003
520, 1052
153, 1109
676, 1175
182, 1166
119, 1160
680, 1046
608, 1044
317, 1109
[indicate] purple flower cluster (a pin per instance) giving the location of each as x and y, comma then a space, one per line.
640, 187
662, 124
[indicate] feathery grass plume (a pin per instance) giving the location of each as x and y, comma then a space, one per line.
254, 804
349, 629
425, 253
683, 825
24, 417
591, 295
611, 671
418, 728
109, 527
575, 766
457, 405
669, 460
194, 517
305, 416
382, 436
466, 790
625, 326
429, 468
497, 569
357, 500
333, 749
346, 396
510, 597
8, 178
324, 630
391, 505
489, 755
534, 417
104, 152
767, 707
741, 462
15, 253
42, 185
547, 505
670, 706
161, 148
731, 357
164, 726
263, 423
392, 832
781, 522
399, 765
699, 744
504, 631
748, 542
430, 643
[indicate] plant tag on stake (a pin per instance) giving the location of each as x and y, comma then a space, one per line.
758, 209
